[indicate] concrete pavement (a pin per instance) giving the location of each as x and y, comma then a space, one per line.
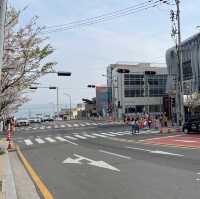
107, 167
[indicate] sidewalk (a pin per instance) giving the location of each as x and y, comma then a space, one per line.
15, 182
7, 184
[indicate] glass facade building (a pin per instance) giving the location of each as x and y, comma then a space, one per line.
141, 90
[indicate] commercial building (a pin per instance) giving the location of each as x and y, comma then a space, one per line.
191, 63
140, 90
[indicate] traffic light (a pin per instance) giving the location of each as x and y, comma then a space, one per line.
52, 87
150, 73
64, 73
120, 70
173, 102
91, 86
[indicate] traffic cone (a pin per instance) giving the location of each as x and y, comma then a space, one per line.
9, 146
161, 130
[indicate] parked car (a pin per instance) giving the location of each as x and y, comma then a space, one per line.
35, 120
22, 122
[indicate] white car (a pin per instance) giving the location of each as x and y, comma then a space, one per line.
22, 122
35, 120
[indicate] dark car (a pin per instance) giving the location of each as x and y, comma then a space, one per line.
192, 125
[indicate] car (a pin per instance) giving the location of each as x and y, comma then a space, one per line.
48, 118
192, 125
22, 122
35, 120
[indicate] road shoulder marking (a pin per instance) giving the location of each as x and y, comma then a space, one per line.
41, 186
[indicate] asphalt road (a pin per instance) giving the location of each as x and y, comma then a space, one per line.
107, 162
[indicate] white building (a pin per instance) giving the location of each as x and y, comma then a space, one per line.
140, 90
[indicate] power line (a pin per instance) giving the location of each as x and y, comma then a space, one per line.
106, 17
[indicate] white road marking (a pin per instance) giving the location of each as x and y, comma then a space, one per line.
48, 127
28, 142
82, 124
116, 133
70, 137
50, 139
60, 138
69, 125
79, 158
75, 125
198, 173
99, 135
62, 126
87, 123
64, 140
39, 140
115, 154
156, 151
94, 124
79, 136
197, 179
108, 134
87, 135
55, 126
42, 127
186, 141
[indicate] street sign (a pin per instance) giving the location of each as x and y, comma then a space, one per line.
79, 158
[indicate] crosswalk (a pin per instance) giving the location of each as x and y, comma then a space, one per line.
67, 125
76, 137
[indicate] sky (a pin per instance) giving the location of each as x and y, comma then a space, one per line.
87, 51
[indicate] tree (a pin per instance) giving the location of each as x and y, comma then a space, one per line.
24, 61
192, 101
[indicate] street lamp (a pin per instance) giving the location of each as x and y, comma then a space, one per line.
70, 104
51, 88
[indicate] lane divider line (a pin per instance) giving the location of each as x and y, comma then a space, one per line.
115, 154
41, 186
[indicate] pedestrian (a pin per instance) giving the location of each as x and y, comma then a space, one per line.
133, 126
137, 128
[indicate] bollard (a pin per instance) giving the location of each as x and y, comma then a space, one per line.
161, 130
9, 146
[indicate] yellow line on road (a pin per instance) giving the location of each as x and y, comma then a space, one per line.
41, 186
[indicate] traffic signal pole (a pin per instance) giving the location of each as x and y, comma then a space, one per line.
180, 93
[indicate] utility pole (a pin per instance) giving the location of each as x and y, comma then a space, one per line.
180, 108
3, 4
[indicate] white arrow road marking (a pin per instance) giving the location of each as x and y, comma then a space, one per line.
101, 164
28, 142
70, 137
82, 124
50, 139
75, 125
39, 140
156, 151
87, 123
62, 126
64, 140
99, 135
79, 136
115, 154
69, 125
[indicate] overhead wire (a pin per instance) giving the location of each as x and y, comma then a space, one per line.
106, 17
